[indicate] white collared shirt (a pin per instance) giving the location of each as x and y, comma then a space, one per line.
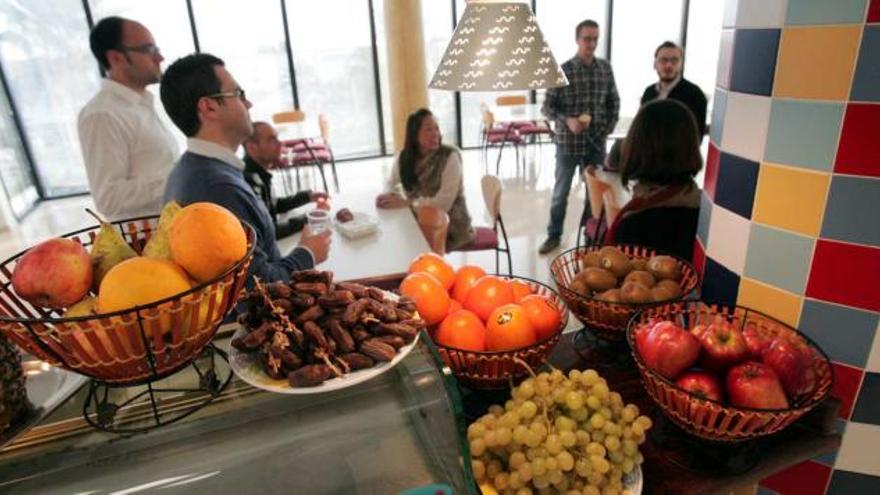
214, 150
128, 152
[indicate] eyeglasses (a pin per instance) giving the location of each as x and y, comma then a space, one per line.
669, 60
148, 49
235, 93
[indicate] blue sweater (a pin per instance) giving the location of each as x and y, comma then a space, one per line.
200, 178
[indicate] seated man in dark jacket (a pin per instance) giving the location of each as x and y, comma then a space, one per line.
262, 149
209, 107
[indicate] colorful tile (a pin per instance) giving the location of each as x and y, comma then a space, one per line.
716, 126
829, 458
760, 13
874, 358
867, 408
710, 177
719, 283
725, 58
699, 259
704, 219
737, 178
807, 12
745, 125
798, 74
790, 198
847, 381
848, 483
858, 153
782, 305
845, 274
754, 60
859, 447
778, 258
728, 239
866, 81
803, 133
874, 11
851, 212
806, 478
844, 333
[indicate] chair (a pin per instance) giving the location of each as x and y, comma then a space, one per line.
318, 152
487, 238
493, 134
434, 223
593, 224
527, 129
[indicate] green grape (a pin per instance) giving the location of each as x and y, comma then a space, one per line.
551, 464
525, 472
612, 443
524, 491
574, 400
554, 476
500, 481
513, 481
606, 411
533, 439
493, 468
539, 428
567, 438
489, 438
565, 461
582, 438
598, 436
595, 449
510, 419
503, 436
516, 459
639, 458
510, 405
582, 467
556, 376
627, 466
597, 421
528, 409
593, 402
553, 444
610, 490
478, 447
475, 430
616, 474
630, 447
496, 410
488, 420
526, 389
581, 414
596, 479
600, 464
627, 433
591, 490
520, 434
611, 428
564, 424
540, 482
630, 413
616, 457
589, 377
561, 485
644, 422
479, 469
601, 390
539, 468
637, 430
574, 375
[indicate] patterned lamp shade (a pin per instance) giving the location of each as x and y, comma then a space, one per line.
497, 46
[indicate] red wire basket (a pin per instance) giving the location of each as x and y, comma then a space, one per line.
128, 347
714, 420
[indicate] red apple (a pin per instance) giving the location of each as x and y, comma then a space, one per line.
723, 346
702, 384
793, 361
758, 339
755, 385
667, 348
53, 274
698, 331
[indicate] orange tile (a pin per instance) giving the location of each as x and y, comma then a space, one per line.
816, 62
779, 304
791, 199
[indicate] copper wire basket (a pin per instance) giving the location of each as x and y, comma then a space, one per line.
714, 420
129, 347
496, 369
608, 320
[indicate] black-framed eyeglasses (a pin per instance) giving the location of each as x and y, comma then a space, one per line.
235, 93
148, 49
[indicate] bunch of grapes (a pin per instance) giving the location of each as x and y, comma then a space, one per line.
558, 434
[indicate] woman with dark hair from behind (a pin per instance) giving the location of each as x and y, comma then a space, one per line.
661, 154
428, 173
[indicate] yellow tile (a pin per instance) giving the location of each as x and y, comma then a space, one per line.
792, 199
782, 305
816, 62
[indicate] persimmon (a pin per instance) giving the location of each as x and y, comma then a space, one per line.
454, 306
432, 300
463, 330
435, 265
465, 278
488, 293
509, 328
543, 314
520, 290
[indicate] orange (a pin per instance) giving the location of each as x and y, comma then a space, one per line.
465, 278
454, 306
432, 301
508, 328
543, 314
520, 290
207, 240
488, 293
462, 330
436, 266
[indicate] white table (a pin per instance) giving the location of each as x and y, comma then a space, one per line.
529, 112
389, 251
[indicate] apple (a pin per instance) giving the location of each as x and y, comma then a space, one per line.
667, 348
53, 274
702, 384
699, 330
755, 385
723, 346
793, 361
758, 339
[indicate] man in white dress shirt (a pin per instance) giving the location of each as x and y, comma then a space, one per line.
128, 152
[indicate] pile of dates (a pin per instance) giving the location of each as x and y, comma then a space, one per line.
312, 329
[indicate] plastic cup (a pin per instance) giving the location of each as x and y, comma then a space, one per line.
319, 220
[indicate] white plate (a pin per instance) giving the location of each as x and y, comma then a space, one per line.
633, 481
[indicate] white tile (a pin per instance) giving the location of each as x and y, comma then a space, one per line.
725, 55
874, 358
760, 13
728, 239
729, 19
858, 451
745, 125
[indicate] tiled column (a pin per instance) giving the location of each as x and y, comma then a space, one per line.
790, 218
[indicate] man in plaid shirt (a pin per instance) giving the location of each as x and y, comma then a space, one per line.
585, 113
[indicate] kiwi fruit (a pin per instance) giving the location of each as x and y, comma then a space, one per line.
610, 295
634, 292
579, 286
590, 259
638, 263
642, 277
597, 278
615, 261
661, 293
664, 267
671, 287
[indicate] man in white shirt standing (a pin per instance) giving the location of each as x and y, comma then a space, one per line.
128, 152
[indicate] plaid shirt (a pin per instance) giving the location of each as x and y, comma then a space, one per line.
591, 90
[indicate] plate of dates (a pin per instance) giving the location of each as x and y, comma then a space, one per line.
312, 335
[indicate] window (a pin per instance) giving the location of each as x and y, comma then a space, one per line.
703, 44
437, 31
14, 171
559, 18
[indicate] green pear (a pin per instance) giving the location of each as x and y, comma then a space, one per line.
87, 306
159, 245
108, 250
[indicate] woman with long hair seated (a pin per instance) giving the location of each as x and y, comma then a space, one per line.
428, 173
661, 154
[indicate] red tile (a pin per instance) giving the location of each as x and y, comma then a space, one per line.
806, 478
874, 11
710, 178
846, 274
699, 260
858, 153
847, 381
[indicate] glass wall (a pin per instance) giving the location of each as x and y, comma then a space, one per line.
17, 180
437, 31
703, 43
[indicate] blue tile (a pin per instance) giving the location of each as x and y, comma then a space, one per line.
737, 179
844, 333
754, 60
866, 80
719, 107
803, 133
719, 284
779, 258
831, 457
851, 211
867, 409
811, 12
705, 218
849, 483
